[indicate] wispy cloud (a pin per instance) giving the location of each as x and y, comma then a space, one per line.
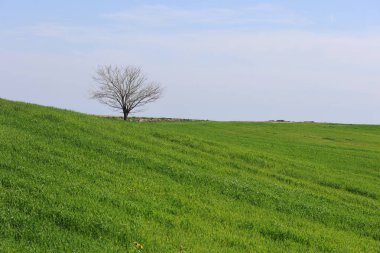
160, 15
71, 34
291, 71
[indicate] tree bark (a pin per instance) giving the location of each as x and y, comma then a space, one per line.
125, 115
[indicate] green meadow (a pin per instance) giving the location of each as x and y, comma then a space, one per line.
71, 182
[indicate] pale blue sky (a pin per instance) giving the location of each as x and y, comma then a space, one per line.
222, 60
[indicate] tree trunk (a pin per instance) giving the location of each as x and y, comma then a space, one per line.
125, 115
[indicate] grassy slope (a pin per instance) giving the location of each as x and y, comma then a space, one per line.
72, 182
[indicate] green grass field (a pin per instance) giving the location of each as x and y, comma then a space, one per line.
71, 182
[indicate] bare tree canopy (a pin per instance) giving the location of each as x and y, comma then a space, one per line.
124, 88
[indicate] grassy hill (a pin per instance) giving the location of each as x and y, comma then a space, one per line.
70, 182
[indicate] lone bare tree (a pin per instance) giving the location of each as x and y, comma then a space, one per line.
124, 88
